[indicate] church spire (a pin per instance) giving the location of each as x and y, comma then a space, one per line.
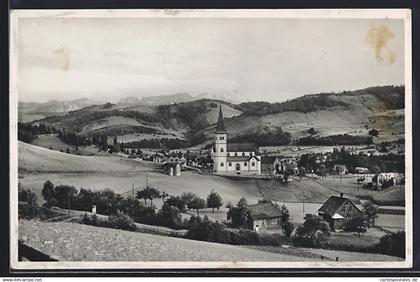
220, 128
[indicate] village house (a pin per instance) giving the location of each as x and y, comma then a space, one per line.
340, 169
383, 180
274, 165
172, 169
337, 211
157, 157
265, 216
233, 158
131, 150
176, 159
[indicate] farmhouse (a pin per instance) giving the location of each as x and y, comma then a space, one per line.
383, 180
157, 157
172, 169
337, 210
233, 158
277, 165
265, 216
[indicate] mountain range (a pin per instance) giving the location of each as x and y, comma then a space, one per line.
186, 117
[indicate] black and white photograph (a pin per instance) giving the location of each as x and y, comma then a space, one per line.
211, 139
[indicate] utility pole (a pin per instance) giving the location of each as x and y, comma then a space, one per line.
132, 189
147, 180
68, 202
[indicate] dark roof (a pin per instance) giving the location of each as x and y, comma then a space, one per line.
241, 147
220, 128
331, 206
241, 158
268, 159
238, 158
171, 164
264, 210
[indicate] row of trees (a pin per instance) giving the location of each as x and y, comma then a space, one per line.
27, 132
333, 140
108, 202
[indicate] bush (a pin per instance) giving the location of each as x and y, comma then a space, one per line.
121, 221
392, 244
373, 132
48, 192
118, 221
205, 230
177, 202
314, 232
356, 224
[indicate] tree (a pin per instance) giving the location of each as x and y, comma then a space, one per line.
197, 204
314, 232
148, 193
48, 193
242, 203
312, 131
214, 200
286, 225
85, 199
169, 216
141, 195
302, 171
187, 198
30, 207
375, 169
373, 132
239, 215
176, 201
65, 196
68, 150
355, 224
228, 205
392, 244
370, 210
115, 142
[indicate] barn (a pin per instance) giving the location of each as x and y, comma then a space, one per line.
265, 216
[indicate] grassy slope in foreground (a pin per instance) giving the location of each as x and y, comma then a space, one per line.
77, 242
36, 159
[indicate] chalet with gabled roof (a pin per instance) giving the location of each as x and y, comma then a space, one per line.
337, 211
265, 216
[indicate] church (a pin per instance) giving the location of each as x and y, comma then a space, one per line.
233, 158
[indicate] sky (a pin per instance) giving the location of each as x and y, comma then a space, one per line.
250, 59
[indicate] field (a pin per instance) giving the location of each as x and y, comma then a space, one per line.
40, 160
77, 242
50, 141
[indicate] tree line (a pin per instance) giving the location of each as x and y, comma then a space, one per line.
334, 140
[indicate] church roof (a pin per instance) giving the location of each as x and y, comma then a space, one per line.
220, 128
242, 147
241, 158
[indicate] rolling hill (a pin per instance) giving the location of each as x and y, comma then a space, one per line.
350, 112
40, 160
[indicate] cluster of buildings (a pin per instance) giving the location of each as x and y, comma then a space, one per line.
336, 211
244, 158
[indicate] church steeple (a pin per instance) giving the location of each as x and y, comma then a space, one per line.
220, 128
